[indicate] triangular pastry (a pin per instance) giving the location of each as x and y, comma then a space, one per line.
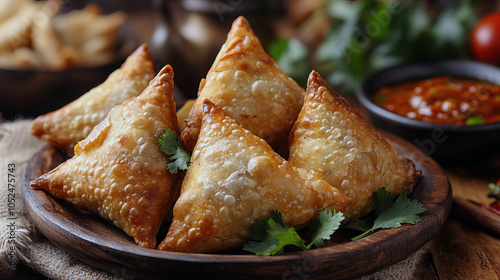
118, 171
63, 128
250, 87
332, 138
234, 178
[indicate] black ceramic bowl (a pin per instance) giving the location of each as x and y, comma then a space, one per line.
32, 92
448, 144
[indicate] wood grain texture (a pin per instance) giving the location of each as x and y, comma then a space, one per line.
462, 251
476, 215
98, 243
467, 247
470, 187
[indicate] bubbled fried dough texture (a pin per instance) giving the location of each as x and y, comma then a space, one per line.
66, 126
118, 171
234, 178
250, 87
332, 138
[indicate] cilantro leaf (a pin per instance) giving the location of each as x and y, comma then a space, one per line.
403, 210
383, 200
269, 237
272, 236
363, 224
322, 228
264, 242
286, 236
291, 55
170, 145
474, 120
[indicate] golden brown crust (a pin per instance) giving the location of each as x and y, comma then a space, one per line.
332, 138
119, 172
63, 128
234, 178
247, 83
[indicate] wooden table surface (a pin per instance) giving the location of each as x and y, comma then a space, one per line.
462, 250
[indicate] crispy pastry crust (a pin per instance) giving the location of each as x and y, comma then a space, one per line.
250, 87
118, 171
332, 138
234, 178
64, 127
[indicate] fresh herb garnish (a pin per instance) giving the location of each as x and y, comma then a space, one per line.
390, 213
170, 145
269, 237
382, 98
494, 190
475, 120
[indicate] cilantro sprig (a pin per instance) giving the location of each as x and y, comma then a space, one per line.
269, 237
170, 145
390, 213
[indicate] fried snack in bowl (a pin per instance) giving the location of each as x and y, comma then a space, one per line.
58, 41
47, 59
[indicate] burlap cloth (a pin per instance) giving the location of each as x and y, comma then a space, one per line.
33, 250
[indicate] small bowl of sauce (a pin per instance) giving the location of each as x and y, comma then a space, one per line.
444, 100
449, 109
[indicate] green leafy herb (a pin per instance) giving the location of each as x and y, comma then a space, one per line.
170, 145
383, 200
391, 214
382, 98
494, 190
292, 57
322, 228
269, 237
360, 224
367, 35
475, 120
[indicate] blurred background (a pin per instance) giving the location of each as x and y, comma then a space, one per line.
342, 40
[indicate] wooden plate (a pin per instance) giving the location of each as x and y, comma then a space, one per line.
98, 243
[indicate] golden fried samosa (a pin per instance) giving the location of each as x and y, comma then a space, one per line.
119, 171
332, 138
250, 87
234, 178
64, 127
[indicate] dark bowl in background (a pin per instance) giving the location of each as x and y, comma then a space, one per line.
27, 93
447, 144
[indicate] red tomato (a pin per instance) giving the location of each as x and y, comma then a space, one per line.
485, 39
